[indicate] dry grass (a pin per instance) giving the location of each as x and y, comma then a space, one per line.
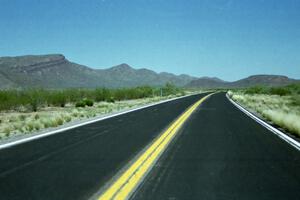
15, 123
283, 111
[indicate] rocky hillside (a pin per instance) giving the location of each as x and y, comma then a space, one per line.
55, 71
265, 80
207, 82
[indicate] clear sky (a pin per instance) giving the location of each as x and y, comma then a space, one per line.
230, 39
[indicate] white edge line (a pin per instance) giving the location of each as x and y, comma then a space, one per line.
279, 133
10, 144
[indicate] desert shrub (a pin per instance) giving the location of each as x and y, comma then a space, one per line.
255, 90
295, 100
37, 125
46, 123
59, 121
169, 89
281, 91
67, 118
13, 119
132, 93
289, 121
30, 126
34, 105
22, 117
33, 99
36, 116
7, 131
99, 95
85, 102
7, 100
88, 102
294, 88
58, 98
72, 95
19, 127
120, 94
110, 100
75, 113
80, 104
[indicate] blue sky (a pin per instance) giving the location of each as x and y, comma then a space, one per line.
229, 39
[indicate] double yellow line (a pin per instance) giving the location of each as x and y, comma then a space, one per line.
129, 180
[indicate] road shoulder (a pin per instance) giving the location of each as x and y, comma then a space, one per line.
284, 136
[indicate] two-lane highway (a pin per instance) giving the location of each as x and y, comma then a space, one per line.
75, 164
218, 153
223, 154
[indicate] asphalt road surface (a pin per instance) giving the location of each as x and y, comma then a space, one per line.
74, 164
221, 153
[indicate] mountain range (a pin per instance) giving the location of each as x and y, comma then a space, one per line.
55, 71
265, 80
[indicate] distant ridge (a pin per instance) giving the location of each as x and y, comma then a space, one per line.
206, 82
55, 71
265, 80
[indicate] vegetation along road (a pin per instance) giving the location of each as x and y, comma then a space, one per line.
197, 147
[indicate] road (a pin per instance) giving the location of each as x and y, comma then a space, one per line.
218, 153
74, 164
223, 154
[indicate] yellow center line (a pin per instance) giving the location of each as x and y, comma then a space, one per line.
129, 180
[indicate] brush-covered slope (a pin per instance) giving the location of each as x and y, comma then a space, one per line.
263, 80
207, 82
50, 71
266, 80
55, 71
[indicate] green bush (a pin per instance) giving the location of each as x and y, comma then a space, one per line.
88, 102
22, 117
110, 100
36, 116
57, 98
169, 89
255, 90
281, 91
85, 102
7, 131
99, 95
30, 126
295, 100
33, 99
294, 88
59, 121
80, 104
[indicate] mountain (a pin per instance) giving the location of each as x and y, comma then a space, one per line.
49, 71
55, 71
123, 74
207, 82
266, 80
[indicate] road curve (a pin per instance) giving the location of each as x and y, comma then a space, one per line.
75, 163
221, 153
